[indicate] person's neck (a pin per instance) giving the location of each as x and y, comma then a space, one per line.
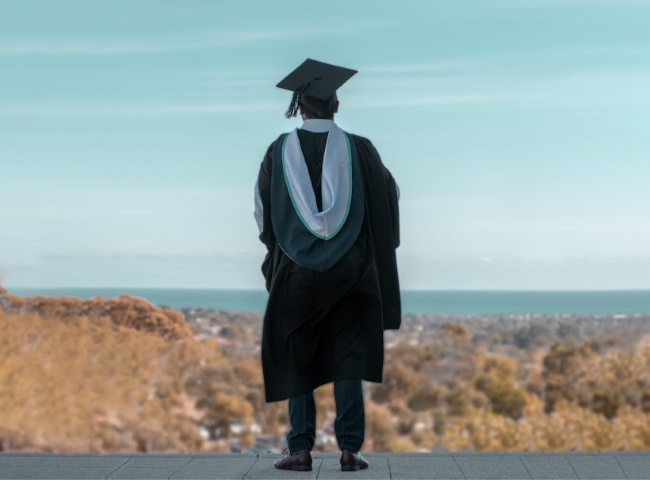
317, 125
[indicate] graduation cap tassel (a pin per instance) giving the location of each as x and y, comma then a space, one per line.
293, 106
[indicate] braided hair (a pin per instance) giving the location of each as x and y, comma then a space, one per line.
293, 106
319, 108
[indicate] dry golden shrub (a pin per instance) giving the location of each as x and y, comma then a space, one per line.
89, 384
124, 310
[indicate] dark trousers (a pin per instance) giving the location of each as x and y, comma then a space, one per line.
350, 423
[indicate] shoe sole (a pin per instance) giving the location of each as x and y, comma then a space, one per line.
297, 468
352, 468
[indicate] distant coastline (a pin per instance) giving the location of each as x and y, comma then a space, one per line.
458, 302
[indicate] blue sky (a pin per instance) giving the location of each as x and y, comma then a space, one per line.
131, 133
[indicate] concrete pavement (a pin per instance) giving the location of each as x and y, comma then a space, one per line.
450, 465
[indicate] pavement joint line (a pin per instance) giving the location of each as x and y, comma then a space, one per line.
390, 473
128, 459
320, 465
252, 465
458, 466
522, 462
572, 467
182, 467
622, 469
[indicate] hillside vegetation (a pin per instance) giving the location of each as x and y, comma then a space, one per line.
99, 375
122, 375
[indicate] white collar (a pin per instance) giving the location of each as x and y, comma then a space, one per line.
317, 125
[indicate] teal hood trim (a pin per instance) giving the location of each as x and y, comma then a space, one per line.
313, 239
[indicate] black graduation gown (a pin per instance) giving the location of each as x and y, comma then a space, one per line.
325, 326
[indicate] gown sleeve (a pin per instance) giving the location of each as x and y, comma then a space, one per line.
393, 203
392, 189
383, 216
263, 215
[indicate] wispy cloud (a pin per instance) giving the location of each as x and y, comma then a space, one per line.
362, 102
586, 88
138, 46
582, 87
596, 88
137, 111
420, 100
507, 59
208, 40
570, 3
424, 67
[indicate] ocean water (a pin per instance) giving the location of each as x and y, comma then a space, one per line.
461, 302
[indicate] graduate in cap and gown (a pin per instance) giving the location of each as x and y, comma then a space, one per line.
327, 211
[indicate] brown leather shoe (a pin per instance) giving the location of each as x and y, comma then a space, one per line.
300, 460
352, 461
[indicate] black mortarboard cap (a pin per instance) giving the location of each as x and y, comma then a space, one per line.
316, 79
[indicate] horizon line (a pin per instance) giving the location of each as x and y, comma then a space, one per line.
423, 290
